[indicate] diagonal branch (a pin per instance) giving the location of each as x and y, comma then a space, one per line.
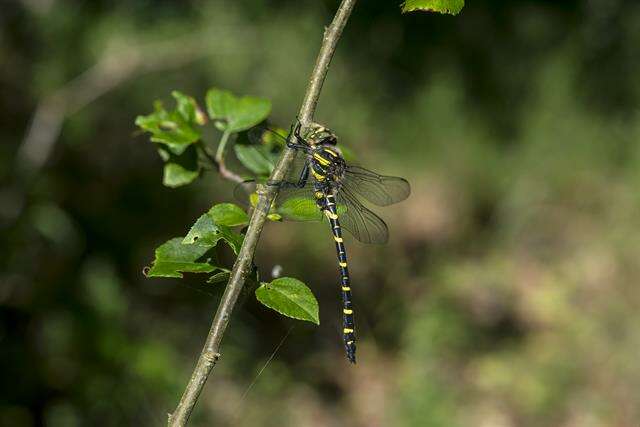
210, 353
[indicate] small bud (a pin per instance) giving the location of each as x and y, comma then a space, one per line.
276, 271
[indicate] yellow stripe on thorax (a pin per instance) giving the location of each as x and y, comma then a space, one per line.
317, 175
320, 159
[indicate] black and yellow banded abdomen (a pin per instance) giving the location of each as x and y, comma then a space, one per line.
348, 326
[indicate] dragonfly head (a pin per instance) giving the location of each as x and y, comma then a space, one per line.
316, 134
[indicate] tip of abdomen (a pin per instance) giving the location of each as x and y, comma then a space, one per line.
351, 352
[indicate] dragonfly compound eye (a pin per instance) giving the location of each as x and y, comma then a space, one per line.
317, 134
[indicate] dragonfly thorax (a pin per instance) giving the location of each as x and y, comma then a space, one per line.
327, 164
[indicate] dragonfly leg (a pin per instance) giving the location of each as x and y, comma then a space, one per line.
302, 180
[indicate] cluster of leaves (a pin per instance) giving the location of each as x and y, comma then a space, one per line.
177, 134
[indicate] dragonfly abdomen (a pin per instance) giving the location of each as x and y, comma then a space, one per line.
348, 326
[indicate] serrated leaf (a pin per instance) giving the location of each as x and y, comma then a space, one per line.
173, 258
177, 129
228, 214
452, 7
206, 231
179, 170
236, 114
290, 297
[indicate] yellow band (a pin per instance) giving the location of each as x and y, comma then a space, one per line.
347, 331
342, 264
346, 288
347, 311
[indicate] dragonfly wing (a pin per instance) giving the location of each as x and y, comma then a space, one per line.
266, 135
379, 190
365, 225
262, 135
297, 204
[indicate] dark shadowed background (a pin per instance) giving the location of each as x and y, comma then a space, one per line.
507, 296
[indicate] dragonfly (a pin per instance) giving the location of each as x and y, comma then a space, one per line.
322, 185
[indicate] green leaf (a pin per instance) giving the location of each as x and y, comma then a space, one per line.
299, 209
291, 298
274, 217
236, 114
228, 214
206, 231
173, 258
220, 277
179, 170
177, 129
303, 209
186, 106
452, 7
257, 159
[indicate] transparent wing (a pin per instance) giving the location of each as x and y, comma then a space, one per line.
297, 204
267, 135
380, 190
365, 225
245, 193
263, 135
292, 203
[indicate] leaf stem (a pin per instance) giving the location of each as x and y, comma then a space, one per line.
218, 160
242, 267
222, 146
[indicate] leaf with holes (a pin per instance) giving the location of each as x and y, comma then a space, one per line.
206, 231
176, 129
173, 258
290, 297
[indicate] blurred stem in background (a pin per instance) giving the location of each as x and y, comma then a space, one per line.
116, 66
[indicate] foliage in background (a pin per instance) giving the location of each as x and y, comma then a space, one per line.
511, 299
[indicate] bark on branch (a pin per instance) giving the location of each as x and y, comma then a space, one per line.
242, 267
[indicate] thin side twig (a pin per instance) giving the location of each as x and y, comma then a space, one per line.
117, 65
211, 350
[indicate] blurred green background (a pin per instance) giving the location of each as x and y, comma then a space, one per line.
507, 296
